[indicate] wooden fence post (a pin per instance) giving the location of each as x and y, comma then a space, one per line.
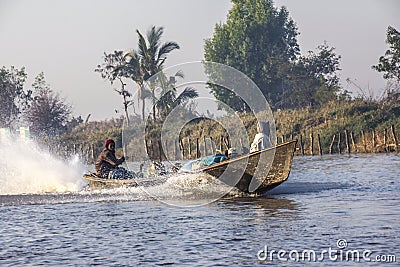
319, 145
197, 148
212, 146
346, 136
353, 142
227, 142
312, 143
92, 151
373, 141
331, 145
301, 145
364, 141
394, 138
182, 147
190, 149
384, 140
339, 143
205, 146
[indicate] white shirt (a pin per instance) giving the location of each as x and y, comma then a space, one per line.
261, 141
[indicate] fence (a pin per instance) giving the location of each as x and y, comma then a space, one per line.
347, 142
308, 144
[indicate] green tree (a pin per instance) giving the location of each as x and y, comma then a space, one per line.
13, 98
313, 80
138, 65
113, 68
390, 62
48, 114
135, 70
260, 41
152, 55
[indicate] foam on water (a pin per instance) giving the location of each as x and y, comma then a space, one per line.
186, 189
191, 186
34, 175
25, 168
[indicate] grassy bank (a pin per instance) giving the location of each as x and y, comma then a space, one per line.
368, 125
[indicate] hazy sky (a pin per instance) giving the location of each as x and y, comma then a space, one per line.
66, 39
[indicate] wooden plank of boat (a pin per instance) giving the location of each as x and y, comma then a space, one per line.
96, 182
267, 175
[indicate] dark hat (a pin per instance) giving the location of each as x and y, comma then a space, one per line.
108, 141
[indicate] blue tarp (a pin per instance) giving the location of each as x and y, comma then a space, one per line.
203, 162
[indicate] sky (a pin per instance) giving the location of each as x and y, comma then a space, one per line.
66, 39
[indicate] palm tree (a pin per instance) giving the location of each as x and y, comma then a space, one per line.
152, 55
146, 61
136, 72
169, 99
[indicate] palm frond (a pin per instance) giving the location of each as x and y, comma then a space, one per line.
165, 49
141, 45
188, 93
166, 101
180, 74
154, 37
134, 67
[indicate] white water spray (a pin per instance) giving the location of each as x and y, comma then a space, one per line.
27, 169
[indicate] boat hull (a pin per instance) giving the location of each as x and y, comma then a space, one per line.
257, 172
95, 182
263, 170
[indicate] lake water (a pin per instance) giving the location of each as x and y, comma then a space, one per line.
339, 204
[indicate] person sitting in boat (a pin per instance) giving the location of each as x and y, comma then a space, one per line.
107, 163
262, 139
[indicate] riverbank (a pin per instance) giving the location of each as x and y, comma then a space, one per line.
342, 127
356, 126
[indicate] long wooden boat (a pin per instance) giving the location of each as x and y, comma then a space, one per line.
256, 172
259, 171
96, 182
